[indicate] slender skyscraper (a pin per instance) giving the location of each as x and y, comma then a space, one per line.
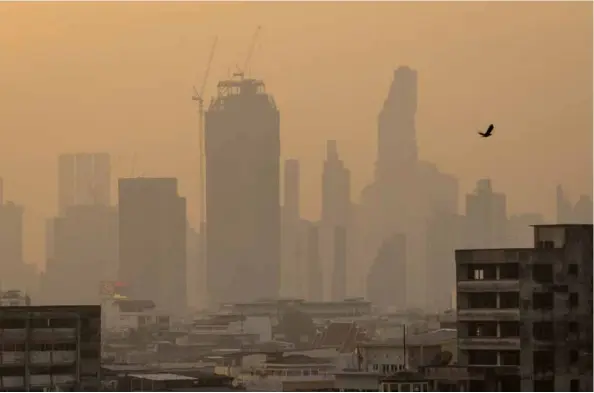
243, 222
290, 230
336, 212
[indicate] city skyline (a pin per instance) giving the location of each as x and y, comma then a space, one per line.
157, 141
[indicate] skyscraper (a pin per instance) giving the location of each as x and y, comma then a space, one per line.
243, 222
152, 241
336, 213
11, 243
486, 217
83, 179
290, 230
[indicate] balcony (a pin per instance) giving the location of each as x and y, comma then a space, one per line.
13, 336
54, 335
494, 343
489, 314
53, 357
488, 286
12, 358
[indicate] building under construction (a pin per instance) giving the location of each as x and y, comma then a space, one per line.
242, 147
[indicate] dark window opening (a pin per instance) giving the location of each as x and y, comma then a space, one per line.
509, 329
89, 353
574, 327
542, 301
10, 323
543, 361
574, 385
510, 383
63, 322
482, 358
572, 269
509, 271
482, 272
509, 358
544, 385
53, 347
482, 329
509, 300
542, 273
543, 331
545, 244
573, 300
573, 356
482, 300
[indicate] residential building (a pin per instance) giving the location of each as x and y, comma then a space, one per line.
525, 315
50, 347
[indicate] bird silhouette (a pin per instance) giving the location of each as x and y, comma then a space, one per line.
487, 133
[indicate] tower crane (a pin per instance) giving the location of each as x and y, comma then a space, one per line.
198, 97
241, 72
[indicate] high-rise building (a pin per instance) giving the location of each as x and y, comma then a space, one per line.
525, 315
339, 268
291, 219
336, 212
315, 284
397, 151
83, 179
486, 217
386, 281
152, 241
243, 222
11, 244
84, 253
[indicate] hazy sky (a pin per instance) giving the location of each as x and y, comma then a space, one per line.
118, 77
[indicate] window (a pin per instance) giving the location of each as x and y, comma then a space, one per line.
509, 300
543, 331
479, 274
482, 329
482, 357
509, 271
573, 356
405, 387
482, 300
542, 301
574, 327
542, 273
509, 329
572, 270
543, 361
573, 300
509, 358
574, 385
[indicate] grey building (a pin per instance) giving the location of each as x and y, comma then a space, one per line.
525, 315
83, 179
43, 348
243, 219
152, 241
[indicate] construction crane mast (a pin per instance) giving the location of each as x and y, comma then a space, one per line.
198, 97
242, 71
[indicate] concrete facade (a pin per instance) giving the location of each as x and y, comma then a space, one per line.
525, 315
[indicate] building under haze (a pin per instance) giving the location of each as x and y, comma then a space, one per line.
386, 280
567, 213
486, 217
83, 179
336, 219
525, 314
84, 252
152, 241
243, 222
12, 267
291, 221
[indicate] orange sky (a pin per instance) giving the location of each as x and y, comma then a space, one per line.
118, 77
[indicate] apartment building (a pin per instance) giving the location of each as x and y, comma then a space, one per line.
525, 315
50, 347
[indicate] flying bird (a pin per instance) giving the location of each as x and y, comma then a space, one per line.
487, 133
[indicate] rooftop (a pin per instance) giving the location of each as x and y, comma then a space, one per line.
163, 377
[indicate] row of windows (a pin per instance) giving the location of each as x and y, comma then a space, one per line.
511, 300
541, 272
542, 330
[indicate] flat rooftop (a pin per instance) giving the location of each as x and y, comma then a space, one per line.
163, 377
